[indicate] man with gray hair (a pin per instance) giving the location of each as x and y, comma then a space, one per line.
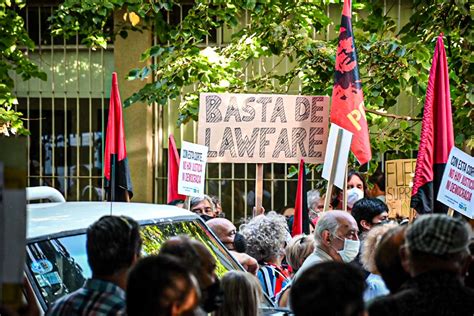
313, 197
336, 240
203, 206
436, 254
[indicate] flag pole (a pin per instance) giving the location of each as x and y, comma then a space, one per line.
344, 190
112, 180
333, 170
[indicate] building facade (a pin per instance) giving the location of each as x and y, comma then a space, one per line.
67, 117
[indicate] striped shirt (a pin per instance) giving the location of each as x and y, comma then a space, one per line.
95, 298
272, 279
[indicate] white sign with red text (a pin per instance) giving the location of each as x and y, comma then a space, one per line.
192, 169
457, 185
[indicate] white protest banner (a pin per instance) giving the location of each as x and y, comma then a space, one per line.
399, 175
263, 128
192, 169
457, 185
337, 152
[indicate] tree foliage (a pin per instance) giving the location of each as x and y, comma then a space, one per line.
391, 62
14, 47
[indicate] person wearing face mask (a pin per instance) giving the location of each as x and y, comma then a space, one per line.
234, 241
353, 195
336, 237
203, 206
369, 212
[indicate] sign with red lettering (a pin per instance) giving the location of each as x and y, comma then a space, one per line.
192, 169
398, 182
263, 128
457, 185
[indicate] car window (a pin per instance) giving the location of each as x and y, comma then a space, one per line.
59, 265
155, 235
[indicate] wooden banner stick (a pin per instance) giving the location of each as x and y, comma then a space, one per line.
333, 170
257, 210
450, 212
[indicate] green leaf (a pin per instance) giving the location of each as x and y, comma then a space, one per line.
292, 171
133, 74
250, 4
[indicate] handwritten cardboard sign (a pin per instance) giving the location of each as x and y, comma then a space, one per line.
457, 185
192, 169
398, 182
263, 128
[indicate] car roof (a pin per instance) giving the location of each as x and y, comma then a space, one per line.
46, 219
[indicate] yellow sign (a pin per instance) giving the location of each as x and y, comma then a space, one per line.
398, 182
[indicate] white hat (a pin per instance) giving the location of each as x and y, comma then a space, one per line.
354, 195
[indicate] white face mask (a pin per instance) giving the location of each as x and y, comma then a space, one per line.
350, 250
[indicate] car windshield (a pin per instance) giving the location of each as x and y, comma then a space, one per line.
59, 265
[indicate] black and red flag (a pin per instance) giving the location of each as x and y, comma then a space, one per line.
301, 217
116, 169
436, 138
347, 103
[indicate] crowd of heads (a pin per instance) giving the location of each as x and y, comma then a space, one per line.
355, 262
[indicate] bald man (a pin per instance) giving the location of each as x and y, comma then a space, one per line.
336, 236
224, 230
227, 233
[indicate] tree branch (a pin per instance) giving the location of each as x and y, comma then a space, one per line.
398, 117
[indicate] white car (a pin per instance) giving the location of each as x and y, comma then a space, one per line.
56, 259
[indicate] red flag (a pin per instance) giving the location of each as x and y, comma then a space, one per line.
115, 148
347, 107
301, 217
437, 136
173, 170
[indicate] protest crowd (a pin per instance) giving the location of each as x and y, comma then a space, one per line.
334, 252
356, 262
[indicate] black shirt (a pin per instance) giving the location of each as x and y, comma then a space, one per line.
432, 293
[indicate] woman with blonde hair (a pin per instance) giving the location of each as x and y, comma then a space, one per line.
242, 294
375, 285
297, 250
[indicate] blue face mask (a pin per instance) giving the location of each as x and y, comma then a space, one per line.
350, 250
